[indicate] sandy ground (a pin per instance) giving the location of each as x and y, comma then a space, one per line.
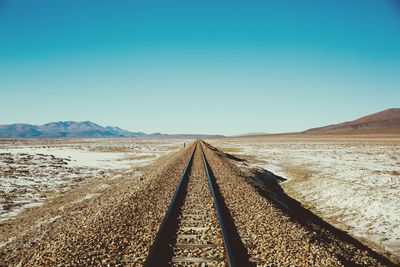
352, 183
33, 171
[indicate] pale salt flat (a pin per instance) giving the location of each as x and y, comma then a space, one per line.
353, 184
29, 173
78, 157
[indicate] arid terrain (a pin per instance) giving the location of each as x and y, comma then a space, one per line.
383, 122
200, 133
350, 181
32, 171
101, 201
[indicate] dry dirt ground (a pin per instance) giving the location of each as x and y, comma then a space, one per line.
104, 221
32, 171
113, 220
350, 181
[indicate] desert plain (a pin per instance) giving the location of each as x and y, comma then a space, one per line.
351, 182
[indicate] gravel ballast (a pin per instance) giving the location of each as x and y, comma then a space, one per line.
274, 236
114, 222
116, 228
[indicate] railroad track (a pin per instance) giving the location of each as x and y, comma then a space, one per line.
197, 229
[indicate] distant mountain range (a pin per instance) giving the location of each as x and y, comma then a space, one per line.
85, 129
63, 129
387, 121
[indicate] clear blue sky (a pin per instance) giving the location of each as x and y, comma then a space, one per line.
224, 67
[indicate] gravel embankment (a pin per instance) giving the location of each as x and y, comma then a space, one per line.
274, 237
114, 227
114, 221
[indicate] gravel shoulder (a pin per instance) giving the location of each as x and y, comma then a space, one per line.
352, 183
112, 221
277, 230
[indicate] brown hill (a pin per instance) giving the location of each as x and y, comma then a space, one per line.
387, 121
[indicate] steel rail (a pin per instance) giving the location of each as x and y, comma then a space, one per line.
232, 260
155, 255
161, 244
